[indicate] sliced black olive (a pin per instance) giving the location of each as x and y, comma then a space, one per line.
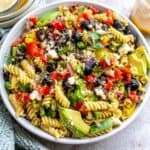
67, 86
88, 69
46, 81
85, 25
40, 34
93, 62
128, 31
76, 37
133, 85
119, 25
105, 27
6, 75
51, 66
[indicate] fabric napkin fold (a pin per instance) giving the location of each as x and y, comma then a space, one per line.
12, 135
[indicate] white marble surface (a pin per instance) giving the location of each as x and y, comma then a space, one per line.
137, 135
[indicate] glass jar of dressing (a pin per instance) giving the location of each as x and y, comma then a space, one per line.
141, 15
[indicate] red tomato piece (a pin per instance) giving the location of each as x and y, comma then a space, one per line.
109, 21
23, 97
133, 96
102, 63
44, 90
83, 16
33, 19
108, 12
32, 49
58, 25
93, 9
77, 106
118, 75
56, 75
109, 85
90, 78
66, 75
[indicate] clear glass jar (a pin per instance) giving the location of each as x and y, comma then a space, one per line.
141, 15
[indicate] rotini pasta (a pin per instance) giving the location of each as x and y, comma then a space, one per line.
96, 106
50, 122
18, 105
76, 72
28, 68
60, 97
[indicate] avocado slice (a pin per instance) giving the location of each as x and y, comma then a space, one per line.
139, 66
143, 54
73, 121
140, 61
46, 18
103, 126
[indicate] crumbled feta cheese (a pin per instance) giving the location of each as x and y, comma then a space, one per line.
64, 56
116, 121
125, 49
71, 80
35, 95
53, 53
100, 31
99, 92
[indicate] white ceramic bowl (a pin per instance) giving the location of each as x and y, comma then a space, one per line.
12, 21
14, 34
10, 15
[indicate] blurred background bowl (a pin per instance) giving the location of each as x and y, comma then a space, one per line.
20, 9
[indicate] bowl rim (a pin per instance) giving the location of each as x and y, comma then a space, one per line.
10, 22
10, 6
18, 12
40, 133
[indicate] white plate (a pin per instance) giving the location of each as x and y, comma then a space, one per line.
11, 22
16, 13
5, 50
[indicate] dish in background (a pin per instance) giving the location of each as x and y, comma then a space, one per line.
9, 23
6, 45
20, 8
6, 5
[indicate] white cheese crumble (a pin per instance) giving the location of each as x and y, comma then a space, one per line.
125, 49
53, 53
100, 31
35, 95
116, 121
99, 92
71, 80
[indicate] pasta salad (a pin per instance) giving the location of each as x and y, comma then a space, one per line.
76, 71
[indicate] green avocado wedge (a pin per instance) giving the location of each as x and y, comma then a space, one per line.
46, 18
140, 61
143, 54
73, 121
103, 126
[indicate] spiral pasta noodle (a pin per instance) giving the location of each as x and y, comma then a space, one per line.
14, 70
60, 97
17, 104
96, 106
39, 63
28, 68
118, 35
50, 122
53, 131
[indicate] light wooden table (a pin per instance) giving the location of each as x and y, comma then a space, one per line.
137, 135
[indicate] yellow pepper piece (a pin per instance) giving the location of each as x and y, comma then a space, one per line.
30, 37
127, 112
